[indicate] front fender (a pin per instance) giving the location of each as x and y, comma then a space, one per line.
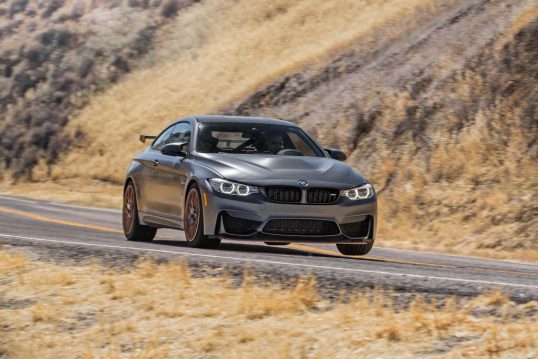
199, 174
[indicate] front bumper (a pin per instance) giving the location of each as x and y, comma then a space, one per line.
256, 211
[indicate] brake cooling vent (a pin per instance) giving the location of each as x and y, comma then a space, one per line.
356, 229
241, 226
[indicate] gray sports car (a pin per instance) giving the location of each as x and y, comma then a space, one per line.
247, 178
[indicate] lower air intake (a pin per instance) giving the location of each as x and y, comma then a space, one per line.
301, 227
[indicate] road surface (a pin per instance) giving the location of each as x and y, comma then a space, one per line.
71, 231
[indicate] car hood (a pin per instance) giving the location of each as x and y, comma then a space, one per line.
285, 170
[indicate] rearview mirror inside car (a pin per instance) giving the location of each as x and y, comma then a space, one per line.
336, 154
174, 149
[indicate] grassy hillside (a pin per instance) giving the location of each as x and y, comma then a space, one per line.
217, 52
434, 100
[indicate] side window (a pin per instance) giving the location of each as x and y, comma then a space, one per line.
180, 133
159, 142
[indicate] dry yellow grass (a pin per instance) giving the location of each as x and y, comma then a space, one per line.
479, 198
216, 52
50, 311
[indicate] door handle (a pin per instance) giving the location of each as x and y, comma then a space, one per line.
155, 163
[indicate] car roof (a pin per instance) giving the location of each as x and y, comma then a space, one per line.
249, 119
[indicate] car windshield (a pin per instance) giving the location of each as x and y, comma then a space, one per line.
253, 138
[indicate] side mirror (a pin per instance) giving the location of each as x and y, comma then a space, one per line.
336, 154
174, 149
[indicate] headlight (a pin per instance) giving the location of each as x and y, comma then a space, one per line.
227, 187
362, 192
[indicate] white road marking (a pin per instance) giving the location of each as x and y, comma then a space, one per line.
457, 256
252, 260
99, 209
18, 199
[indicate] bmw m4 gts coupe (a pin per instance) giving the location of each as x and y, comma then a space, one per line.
247, 178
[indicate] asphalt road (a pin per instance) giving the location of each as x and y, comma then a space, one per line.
72, 231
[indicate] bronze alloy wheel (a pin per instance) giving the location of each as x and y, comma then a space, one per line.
128, 209
193, 221
133, 230
192, 214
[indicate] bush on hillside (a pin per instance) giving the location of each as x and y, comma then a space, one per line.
144, 40
170, 8
85, 67
17, 6
36, 54
52, 7
57, 37
22, 82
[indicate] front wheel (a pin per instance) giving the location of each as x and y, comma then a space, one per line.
132, 228
193, 221
354, 249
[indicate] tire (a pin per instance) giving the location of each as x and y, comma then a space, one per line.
132, 228
277, 243
193, 221
354, 249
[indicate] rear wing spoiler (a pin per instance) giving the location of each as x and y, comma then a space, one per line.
143, 138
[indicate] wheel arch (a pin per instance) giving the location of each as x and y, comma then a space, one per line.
193, 181
128, 180
210, 219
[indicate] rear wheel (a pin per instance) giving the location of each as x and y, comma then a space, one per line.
354, 249
193, 221
132, 228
